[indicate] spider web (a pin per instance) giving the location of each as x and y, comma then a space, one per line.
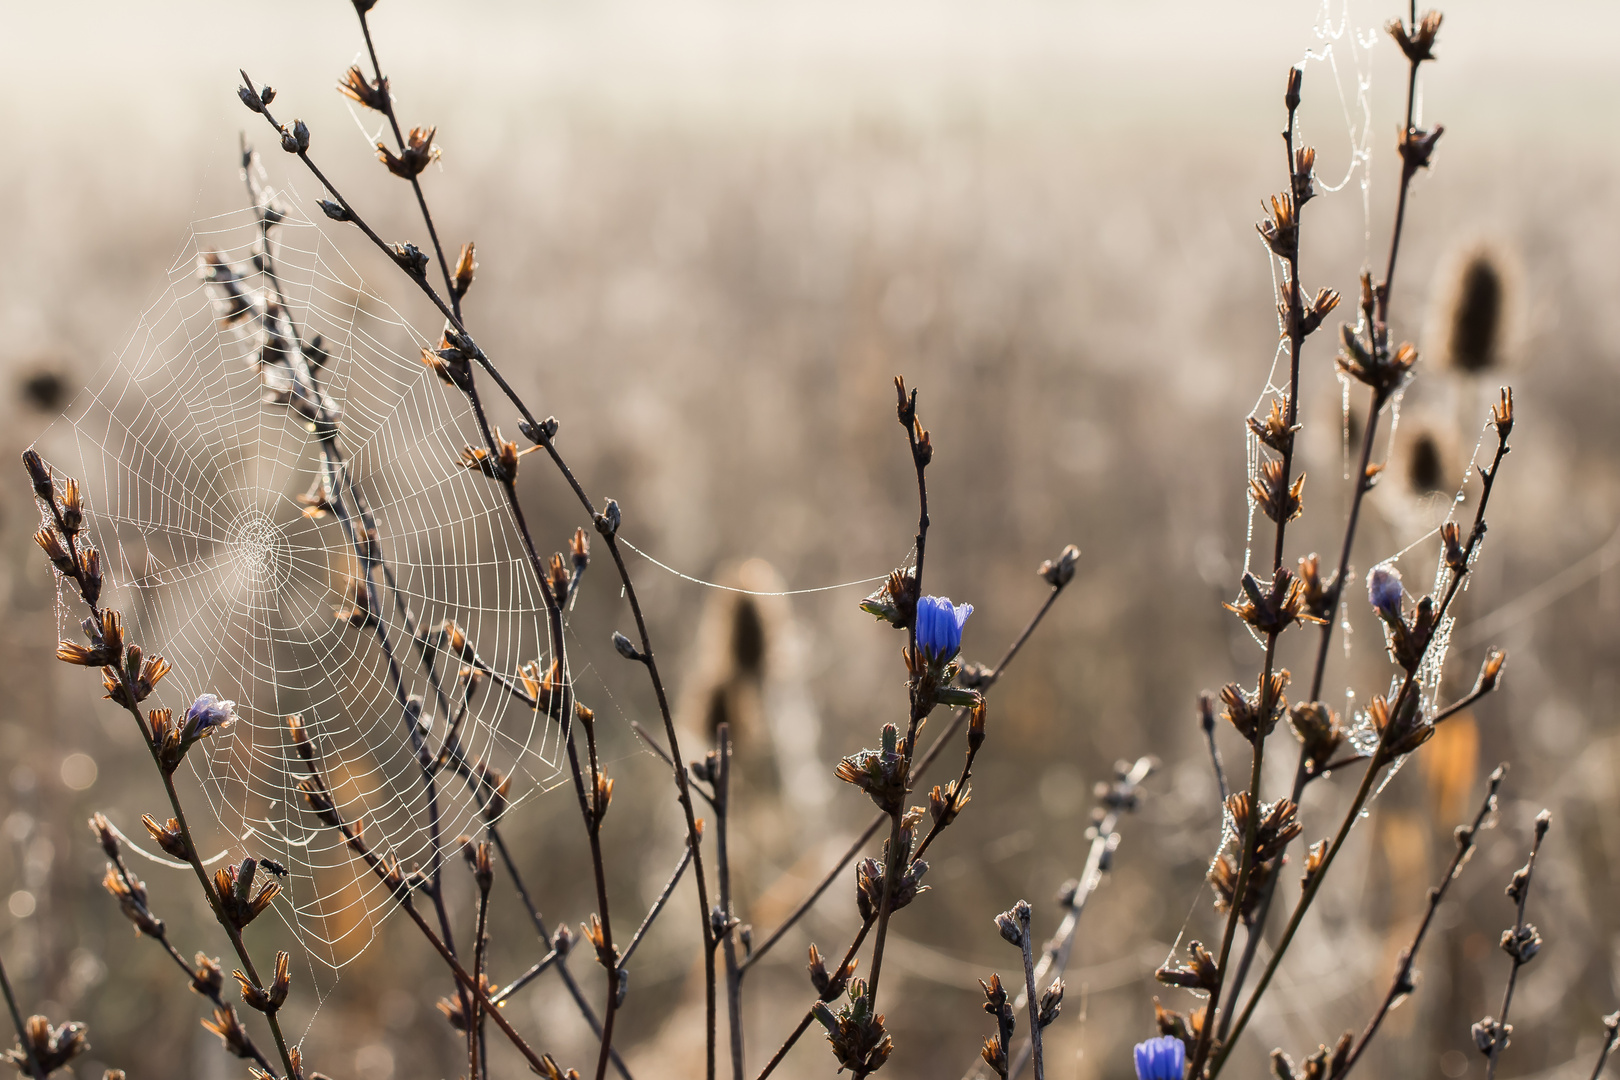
193, 472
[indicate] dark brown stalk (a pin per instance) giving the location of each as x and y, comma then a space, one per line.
479, 1066
162, 937
921, 767
1401, 985
1032, 1000
560, 962
990, 678
1377, 319
1521, 881
128, 693
416, 182
366, 543
728, 940
921, 453
658, 906
839, 979
1611, 1035
1295, 323
1408, 686
539, 433
1104, 842
397, 886
23, 1040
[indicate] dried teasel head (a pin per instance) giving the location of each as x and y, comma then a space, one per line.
1472, 316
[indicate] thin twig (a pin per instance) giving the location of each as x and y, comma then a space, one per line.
1520, 947
728, 939
1504, 425
1054, 961
23, 1040
1611, 1034
159, 932
658, 905
1401, 985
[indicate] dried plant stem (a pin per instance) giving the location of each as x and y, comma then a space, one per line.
1054, 959
389, 875
1611, 1034
1033, 1002
728, 939
921, 453
658, 905
1408, 686
162, 938
416, 182
1401, 985
1295, 325
480, 951
929, 757
918, 769
1518, 960
539, 433
129, 699
23, 1040
1304, 773
839, 978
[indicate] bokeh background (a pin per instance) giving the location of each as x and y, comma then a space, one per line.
710, 233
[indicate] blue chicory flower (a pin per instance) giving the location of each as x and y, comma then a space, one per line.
939, 626
1164, 1058
1384, 591
207, 713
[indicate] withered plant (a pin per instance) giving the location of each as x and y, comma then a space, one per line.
1302, 597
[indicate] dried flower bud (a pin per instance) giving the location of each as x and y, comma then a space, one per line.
1296, 76
410, 259
356, 87
416, 155
1014, 923
1200, 973
1274, 495
1502, 414
466, 267
209, 977
51, 1047
1491, 1036
607, 522
104, 835
334, 210
1051, 1003
295, 140
167, 836
1416, 42
1060, 571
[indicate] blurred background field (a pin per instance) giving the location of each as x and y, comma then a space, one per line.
709, 235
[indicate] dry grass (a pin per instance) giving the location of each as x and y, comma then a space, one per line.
1088, 313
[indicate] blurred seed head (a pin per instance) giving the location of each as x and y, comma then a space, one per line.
1472, 310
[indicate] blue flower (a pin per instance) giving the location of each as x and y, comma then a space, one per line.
1164, 1058
1384, 591
939, 626
206, 714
